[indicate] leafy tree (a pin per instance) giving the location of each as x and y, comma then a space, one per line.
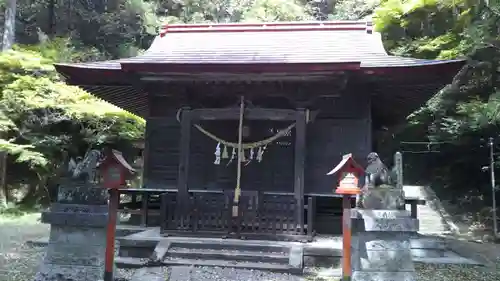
42, 117
457, 120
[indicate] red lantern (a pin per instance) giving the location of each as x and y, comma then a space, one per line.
115, 170
349, 173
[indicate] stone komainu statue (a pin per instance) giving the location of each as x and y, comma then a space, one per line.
377, 175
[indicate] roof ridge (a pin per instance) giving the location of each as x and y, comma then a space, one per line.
267, 27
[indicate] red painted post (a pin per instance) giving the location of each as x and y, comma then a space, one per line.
346, 238
115, 170
110, 234
349, 173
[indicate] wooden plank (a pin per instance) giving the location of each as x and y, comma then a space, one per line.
184, 144
311, 214
414, 212
250, 113
300, 150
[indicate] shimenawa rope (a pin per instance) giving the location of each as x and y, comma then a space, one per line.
279, 134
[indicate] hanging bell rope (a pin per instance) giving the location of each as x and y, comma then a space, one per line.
237, 190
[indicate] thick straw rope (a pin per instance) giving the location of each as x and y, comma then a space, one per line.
244, 146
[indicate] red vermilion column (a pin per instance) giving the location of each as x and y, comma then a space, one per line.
109, 261
346, 238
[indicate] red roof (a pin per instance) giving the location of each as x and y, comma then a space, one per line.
316, 46
323, 44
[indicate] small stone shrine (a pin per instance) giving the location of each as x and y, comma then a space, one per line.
78, 221
382, 227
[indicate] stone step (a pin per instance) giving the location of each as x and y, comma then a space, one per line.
240, 245
229, 254
130, 262
431, 220
233, 264
266, 255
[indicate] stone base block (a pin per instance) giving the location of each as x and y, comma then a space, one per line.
378, 241
383, 276
74, 253
81, 192
77, 234
367, 224
383, 198
380, 214
384, 260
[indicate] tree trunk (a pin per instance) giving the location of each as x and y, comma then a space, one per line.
9, 28
3, 180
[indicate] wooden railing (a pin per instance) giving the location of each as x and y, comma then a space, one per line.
260, 215
265, 213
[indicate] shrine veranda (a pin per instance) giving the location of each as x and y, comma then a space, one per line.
306, 93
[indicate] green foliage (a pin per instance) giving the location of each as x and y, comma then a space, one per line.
276, 10
353, 9
460, 117
41, 116
62, 49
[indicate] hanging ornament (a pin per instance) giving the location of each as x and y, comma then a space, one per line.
260, 153
250, 157
225, 153
217, 154
233, 156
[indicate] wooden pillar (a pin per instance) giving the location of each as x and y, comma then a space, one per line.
185, 140
300, 153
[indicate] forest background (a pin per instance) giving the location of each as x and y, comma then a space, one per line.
444, 143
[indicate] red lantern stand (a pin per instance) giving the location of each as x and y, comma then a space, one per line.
114, 170
349, 172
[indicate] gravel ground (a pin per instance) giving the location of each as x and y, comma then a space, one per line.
231, 274
436, 272
19, 262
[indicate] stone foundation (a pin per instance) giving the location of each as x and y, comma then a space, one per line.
77, 240
381, 249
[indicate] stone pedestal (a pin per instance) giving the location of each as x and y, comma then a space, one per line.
381, 238
77, 240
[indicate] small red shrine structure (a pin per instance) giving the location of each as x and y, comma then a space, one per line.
349, 173
115, 170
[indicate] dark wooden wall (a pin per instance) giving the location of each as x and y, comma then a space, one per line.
274, 173
342, 126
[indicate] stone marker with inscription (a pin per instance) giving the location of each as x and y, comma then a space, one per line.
77, 239
381, 244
